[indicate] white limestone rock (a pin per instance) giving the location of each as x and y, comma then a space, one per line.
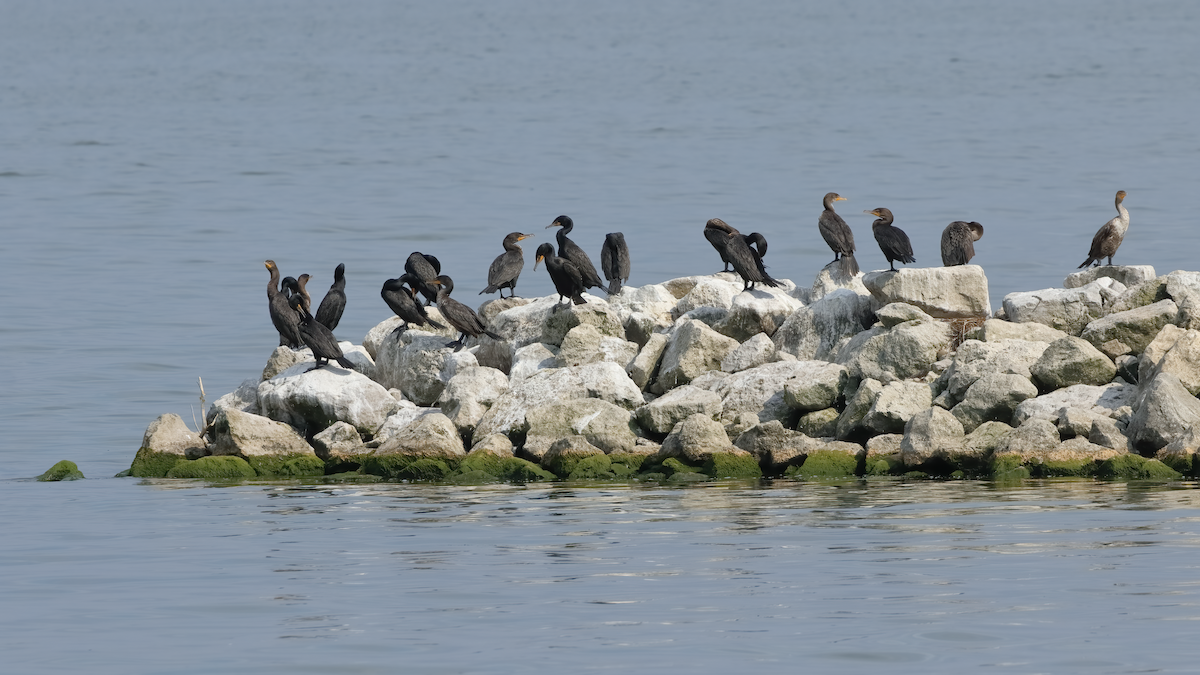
432, 436
820, 330
168, 434
992, 397
758, 392
1175, 351
246, 435
752, 353
662, 414
338, 441
755, 312
692, 350
932, 434
959, 292
975, 359
244, 398
1165, 410
419, 365
1107, 400
831, 278
315, 399
1071, 360
469, 394
596, 313
905, 351
1135, 327
645, 365
815, 385
532, 358
1128, 275
995, 330
1066, 309
606, 426
896, 403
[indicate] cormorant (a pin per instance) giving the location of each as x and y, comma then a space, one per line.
571, 251
301, 288
716, 230
318, 338
892, 240
285, 319
733, 249
507, 266
425, 268
459, 315
958, 242
288, 286
1109, 237
565, 275
329, 313
837, 234
403, 302
614, 260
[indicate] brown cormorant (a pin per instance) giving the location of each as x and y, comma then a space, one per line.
403, 302
736, 251
1109, 237
892, 240
507, 266
425, 268
565, 275
318, 338
958, 242
571, 251
837, 234
329, 312
459, 315
286, 321
614, 260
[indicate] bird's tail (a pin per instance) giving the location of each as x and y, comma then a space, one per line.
345, 362
489, 289
492, 335
433, 323
614, 287
578, 299
849, 265
1086, 262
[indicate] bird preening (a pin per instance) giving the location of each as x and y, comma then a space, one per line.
1110, 235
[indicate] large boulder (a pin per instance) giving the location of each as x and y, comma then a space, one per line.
432, 435
1033, 439
605, 381
584, 344
1134, 327
419, 364
653, 300
995, 330
1164, 411
169, 435
759, 311
1067, 309
1175, 351
604, 425
959, 292
469, 394
932, 435
522, 324
244, 398
645, 365
974, 359
820, 330
993, 397
857, 406
662, 414
815, 385
531, 358
246, 435
752, 353
896, 403
695, 439
831, 278
314, 399
406, 415
902, 352
1071, 360
693, 349
759, 392
338, 441
596, 313
1108, 400
1128, 275
775, 447
713, 291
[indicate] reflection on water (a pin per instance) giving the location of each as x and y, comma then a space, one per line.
1047, 576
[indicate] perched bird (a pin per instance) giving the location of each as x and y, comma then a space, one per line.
1109, 237
837, 234
300, 288
892, 240
319, 339
507, 266
565, 275
425, 268
958, 242
614, 260
285, 319
733, 249
459, 315
329, 312
288, 285
571, 251
403, 302
715, 232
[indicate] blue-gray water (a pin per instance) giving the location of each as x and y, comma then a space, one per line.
153, 154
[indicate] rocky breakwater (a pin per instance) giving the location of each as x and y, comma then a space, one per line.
888, 373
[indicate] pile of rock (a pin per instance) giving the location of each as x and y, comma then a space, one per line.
904, 372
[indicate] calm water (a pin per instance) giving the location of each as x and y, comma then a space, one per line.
153, 154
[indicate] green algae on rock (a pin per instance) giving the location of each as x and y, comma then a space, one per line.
222, 467
64, 470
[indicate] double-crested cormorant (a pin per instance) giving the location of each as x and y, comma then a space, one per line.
507, 266
958, 242
1106, 241
459, 315
614, 260
565, 275
837, 234
892, 240
716, 231
301, 289
288, 286
329, 313
286, 321
571, 251
736, 251
425, 268
404, 304
318, 338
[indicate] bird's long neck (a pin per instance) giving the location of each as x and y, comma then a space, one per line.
1122, 216
273, 284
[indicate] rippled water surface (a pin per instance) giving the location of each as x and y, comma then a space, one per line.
905, 577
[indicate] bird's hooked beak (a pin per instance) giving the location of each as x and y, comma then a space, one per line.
539, 259
872, 213
840, 199
554, 224
523, 237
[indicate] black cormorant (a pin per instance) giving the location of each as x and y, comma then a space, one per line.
507, 266
565, 275
329, 312
286, 321
958, 242
318, 338
892, 240
459, 315
425, 268
1109, 237
837, 234
716, 231
614, 260
733, 249
403, 302
571, 251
